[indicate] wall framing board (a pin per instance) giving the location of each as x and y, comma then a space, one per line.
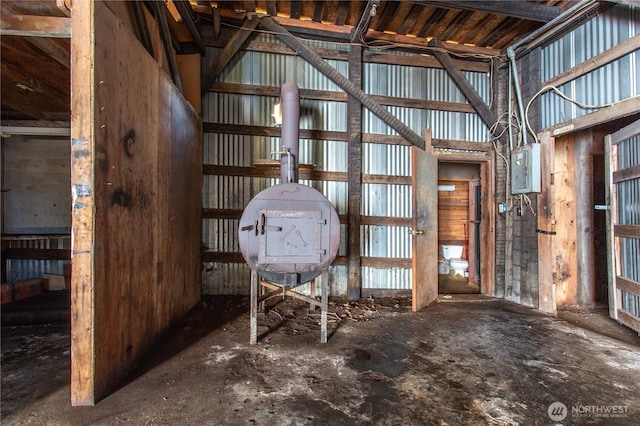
136, 177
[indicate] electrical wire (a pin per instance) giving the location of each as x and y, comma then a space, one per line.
562, 95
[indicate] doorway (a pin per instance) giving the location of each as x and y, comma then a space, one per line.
459, 212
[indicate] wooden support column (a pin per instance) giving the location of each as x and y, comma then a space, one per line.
487, 116
585, 291
354, 120
546, 228
564, 242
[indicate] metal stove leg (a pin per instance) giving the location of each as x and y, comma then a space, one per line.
253, 339
312, 294
324, 302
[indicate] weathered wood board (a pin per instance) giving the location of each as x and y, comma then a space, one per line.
136, 182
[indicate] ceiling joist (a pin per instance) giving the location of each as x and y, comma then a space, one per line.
514, 9
35, 26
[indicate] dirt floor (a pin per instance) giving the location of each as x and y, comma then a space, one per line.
464, 360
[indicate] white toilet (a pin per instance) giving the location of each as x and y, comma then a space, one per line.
453, 256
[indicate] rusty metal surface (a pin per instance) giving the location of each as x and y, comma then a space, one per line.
289, 229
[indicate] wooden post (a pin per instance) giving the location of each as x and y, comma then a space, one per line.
83, 86
585, 291
354, 115
546, 228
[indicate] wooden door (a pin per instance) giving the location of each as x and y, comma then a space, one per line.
424, 245
622, 151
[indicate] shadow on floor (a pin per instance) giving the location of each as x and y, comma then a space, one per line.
449, 284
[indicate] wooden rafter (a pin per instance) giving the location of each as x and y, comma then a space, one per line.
229, 51
165, 34
487, 116
140, 23
35, 26
318, 10
407, 24
345, 84
361, 29
512, 8
185, 11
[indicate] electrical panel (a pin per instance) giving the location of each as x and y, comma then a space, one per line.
525, 169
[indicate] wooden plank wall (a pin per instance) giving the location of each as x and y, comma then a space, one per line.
453, 212
136, 179
564, 242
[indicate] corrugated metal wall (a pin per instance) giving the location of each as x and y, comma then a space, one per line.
18, 269
610, 83
258, 68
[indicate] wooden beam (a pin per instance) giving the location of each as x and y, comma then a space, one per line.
165, 34
241, 129
296, 9
64, 6
629, 231
358, 33
52, 49
513, 8
35, 26
376, 37
221, 213
626, 174
432, 23
140, 22
354, 185
345, 84
247, 89
629, 320
606, 57
318, 10
386, 15
422, 61
272, 7
186, 12
454, 26
386, 220
305, 173
34, 253
229, 51
628, 285
343, 11
410, 20
625, 108
546, 229
468, 91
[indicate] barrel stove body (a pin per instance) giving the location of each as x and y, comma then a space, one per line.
289, 233
289, 229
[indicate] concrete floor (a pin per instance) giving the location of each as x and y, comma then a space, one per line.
464, 360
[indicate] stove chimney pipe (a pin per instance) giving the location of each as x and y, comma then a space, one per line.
290, 106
